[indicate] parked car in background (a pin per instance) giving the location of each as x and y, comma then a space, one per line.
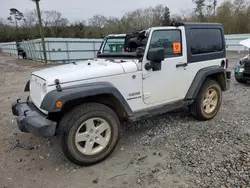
242, 69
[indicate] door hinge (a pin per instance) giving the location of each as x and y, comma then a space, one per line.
146, 95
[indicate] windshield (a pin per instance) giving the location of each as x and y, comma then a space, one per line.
113, 45
131, 45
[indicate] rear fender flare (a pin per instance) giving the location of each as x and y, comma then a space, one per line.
200, 77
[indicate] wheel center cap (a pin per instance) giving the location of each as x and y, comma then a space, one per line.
92, 136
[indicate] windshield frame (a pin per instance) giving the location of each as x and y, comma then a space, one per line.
101, 50
124, 54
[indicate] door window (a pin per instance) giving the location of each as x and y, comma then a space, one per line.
170, 40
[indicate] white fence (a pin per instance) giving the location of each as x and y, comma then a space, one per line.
57, 49
9, 48
62, 49
75, 49
232, 42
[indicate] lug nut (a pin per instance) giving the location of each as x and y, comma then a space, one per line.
91, 130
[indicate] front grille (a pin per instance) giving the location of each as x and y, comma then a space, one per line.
36, 92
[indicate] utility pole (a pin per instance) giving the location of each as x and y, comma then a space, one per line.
214, 5
41, 30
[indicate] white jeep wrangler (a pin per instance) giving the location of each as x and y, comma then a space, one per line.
164, 68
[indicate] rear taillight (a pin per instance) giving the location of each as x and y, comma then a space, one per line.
226, 64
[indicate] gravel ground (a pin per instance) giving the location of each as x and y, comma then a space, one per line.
171, 150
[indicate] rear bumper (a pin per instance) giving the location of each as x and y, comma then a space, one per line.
30, 120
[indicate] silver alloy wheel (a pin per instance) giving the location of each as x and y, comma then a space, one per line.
210, 101
93, 136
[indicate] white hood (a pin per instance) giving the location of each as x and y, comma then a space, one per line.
245, 43
85, 70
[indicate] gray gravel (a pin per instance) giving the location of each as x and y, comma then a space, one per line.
215, 153
171, 150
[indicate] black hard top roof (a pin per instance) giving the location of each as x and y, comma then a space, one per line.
196, 24
202, 24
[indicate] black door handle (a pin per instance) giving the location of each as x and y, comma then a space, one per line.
181, 65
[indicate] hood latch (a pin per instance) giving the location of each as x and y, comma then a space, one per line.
58, 87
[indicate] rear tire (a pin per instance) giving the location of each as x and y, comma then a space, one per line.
207, 102
89, 133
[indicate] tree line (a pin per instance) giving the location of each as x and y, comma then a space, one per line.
233, 14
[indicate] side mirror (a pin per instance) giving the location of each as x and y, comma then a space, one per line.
156, 55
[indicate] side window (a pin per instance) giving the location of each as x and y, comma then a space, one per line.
206, 41
170, 40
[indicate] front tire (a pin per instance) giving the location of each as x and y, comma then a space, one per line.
89, 133
207, 102
241, 81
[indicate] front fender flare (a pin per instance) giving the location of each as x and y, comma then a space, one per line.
80, 92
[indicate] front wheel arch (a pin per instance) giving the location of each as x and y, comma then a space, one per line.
81, 93
106, 99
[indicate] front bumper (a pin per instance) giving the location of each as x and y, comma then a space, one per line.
241, 74
31, 120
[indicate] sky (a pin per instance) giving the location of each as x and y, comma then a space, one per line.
76, 10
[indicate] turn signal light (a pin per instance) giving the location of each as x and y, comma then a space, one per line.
59, 104
226, 63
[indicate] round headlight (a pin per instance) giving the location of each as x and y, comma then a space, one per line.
44, 88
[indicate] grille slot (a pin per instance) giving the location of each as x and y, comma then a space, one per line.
246, 62
247, 67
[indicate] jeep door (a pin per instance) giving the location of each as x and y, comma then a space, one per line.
170, 83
